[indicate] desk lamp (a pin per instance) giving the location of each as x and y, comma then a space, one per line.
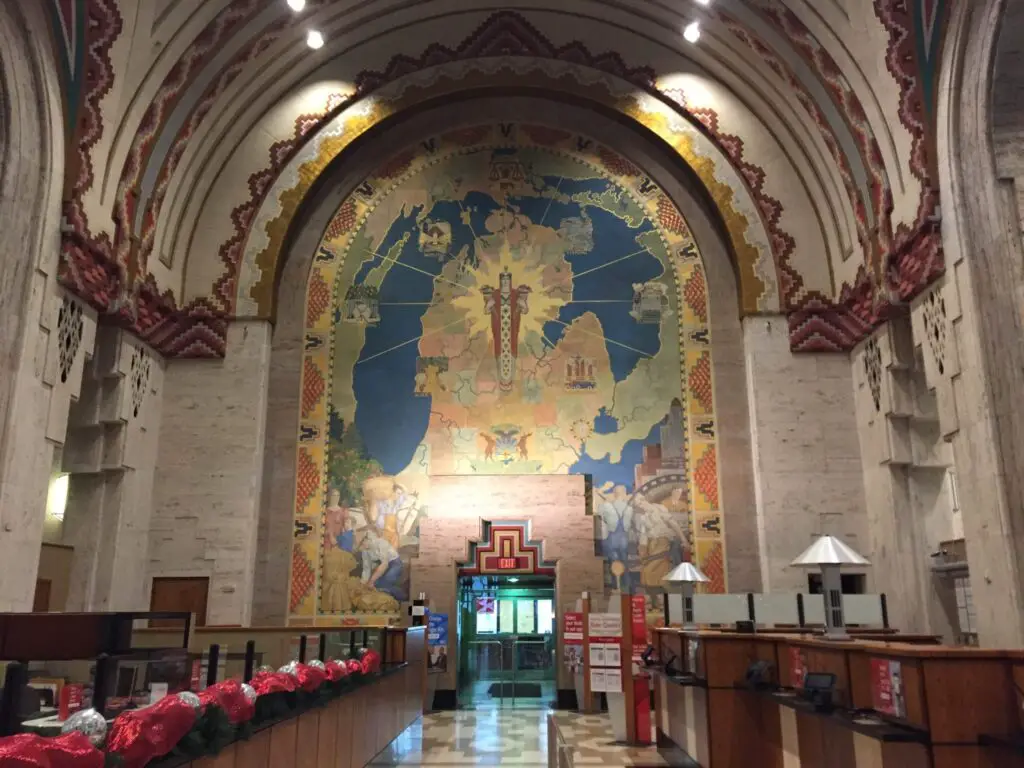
830, 554
686, 575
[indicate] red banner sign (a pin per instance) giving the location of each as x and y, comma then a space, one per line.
638, 619
887, 687
572, 628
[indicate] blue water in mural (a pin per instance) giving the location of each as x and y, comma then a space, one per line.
393, 420
622, 472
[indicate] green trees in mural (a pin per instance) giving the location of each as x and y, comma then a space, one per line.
349, 463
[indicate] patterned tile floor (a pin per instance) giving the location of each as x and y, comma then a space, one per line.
510, 737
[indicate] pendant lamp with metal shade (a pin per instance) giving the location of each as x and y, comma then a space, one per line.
687, 576
830, 555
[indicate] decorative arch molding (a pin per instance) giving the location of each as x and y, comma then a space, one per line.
767, 282
505, 548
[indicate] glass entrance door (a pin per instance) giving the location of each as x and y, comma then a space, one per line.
506, 642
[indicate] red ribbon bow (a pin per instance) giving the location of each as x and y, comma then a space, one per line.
310, 678
371, 662
336, 671
273, 682
70, 750
142, 735
228, 696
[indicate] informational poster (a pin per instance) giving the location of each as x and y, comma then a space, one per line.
604, 626
605, 680
887, 688
797, 667
605, 655
506, 616
437, 641
485, 604
572, 640
638, 622
526, 617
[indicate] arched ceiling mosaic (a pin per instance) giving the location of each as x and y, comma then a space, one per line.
182, 115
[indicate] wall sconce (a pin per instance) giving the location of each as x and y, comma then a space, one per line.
57, 497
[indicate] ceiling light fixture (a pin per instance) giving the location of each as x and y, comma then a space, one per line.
314, 40
297, 5
692, 32
703, 2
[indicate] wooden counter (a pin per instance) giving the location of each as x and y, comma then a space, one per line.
905, 704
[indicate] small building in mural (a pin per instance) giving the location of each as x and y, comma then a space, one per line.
514, 308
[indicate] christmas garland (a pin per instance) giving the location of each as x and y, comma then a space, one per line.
189, 726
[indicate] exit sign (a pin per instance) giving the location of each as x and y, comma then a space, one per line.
508, 563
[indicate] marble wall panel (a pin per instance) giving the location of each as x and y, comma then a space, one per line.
806, 456
208, 485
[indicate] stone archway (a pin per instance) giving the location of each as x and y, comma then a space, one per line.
31, 172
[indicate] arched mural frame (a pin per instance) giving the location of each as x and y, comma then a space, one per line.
696, 403
767, 283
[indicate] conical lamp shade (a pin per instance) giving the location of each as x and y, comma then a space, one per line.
686, 573
828, 550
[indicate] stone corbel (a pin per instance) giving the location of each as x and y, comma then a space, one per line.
933, 315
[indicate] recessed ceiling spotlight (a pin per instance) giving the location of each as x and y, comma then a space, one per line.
703, 2
297, 5
314, 40
692, 32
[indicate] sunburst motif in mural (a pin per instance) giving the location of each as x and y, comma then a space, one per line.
527, 270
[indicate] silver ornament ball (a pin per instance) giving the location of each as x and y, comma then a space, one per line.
89, 722
291, 668
249, 692
192, 700
264, 669
317, 664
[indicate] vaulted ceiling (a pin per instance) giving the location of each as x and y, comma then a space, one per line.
197, 127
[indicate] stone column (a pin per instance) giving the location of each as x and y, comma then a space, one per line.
906, 461
31, 176
210, 463
807, 472
110, 455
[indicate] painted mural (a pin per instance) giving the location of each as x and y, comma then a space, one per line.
503, 299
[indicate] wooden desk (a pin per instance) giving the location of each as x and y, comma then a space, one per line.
943, 707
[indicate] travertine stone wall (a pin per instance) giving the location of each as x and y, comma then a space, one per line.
807, 471
554, 505
207, 492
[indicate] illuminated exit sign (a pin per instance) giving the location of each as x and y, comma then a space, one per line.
508, 563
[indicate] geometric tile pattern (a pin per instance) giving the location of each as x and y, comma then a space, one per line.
515, 738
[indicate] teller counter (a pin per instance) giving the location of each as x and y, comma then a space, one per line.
903, 704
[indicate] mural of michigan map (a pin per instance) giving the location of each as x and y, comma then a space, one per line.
503, 299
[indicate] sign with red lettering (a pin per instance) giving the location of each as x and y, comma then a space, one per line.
797, 667
638, 620
572, 628
887, 688
508, 563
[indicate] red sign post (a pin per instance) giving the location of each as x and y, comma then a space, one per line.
638, 619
